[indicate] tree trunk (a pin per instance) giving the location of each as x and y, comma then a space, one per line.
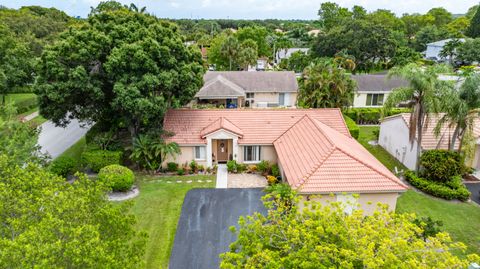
462, 136
419, 137
454, 138
133, 129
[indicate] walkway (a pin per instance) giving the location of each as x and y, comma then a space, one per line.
222, 175
245, 180
55, 140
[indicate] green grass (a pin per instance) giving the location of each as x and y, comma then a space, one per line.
366, 134
17, 97
460, 220
76, 150
158, 208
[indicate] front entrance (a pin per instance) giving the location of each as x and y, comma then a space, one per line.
222, 151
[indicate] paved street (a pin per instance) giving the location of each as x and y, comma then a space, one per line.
55, 140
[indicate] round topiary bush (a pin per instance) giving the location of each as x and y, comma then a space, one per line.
117, 177
63, 166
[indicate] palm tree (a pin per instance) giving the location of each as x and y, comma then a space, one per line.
424, 94
229, 49
462, 110
152, 152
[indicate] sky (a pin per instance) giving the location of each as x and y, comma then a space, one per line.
248, 9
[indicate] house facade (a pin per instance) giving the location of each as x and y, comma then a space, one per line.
286, 53
394, 137
240, 89
434, 49
313, 148
373, 89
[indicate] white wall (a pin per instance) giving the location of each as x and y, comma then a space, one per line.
394, 138
290, 98
433, 51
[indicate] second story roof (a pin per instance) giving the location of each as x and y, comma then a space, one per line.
378, 83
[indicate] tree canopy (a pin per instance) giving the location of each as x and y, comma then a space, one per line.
121, 67
323, 236
49, 223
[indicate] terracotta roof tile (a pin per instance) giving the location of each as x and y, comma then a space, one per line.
318, 159
221, 123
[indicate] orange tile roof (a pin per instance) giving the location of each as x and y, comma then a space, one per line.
318, 159
259, 126
221, 123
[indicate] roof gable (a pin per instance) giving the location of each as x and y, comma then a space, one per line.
317, 158
221, 124
220, 87
271, 81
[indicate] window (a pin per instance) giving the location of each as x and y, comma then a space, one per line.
250, 95
251, 153
375, 99
200, 153
281, 99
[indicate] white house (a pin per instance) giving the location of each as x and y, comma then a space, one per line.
286, 53
434, 49
394, 137
373, 89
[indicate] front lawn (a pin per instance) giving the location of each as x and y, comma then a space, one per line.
158, 208
460, 220
76, 150
366, 135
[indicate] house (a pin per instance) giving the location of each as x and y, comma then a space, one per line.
232, 89
286, 53
313, 148
314, 32
373, 89
394, 137
434, 49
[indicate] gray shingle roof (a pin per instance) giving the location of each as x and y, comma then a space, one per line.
275, 81
220, 88
378, 83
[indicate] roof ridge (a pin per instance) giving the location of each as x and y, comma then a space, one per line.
316, 167
289, 128
369, 166
231, 122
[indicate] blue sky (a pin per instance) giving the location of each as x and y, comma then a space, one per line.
247, 9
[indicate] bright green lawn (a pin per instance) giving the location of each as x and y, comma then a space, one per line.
17, 97
461, 220
75, 151
366, 134
158, 209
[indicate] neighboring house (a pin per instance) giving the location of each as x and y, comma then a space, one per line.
286, 53
232, 89
434, 49
373, 90
394, 137
313, 148
314, 32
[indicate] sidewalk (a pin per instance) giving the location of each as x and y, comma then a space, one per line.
222, 175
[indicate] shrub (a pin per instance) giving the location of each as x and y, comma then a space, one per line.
252, 168
26, 104
117, 177
193, 166
275, 170
241, 167
232, 166
97, 159
172, 167
201, 168
352, 127
63, 166
209, 170
372, 115
441, 165
439, 189
272, 180
263, 167
181, 171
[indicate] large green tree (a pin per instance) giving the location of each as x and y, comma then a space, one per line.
16, 63
325, 85
473, 30
49, 223
441, 16
331, 15
257, 34
424, 93
122, 68
323, 236
469, 51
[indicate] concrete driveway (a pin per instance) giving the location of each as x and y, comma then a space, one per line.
55, 140
203, 229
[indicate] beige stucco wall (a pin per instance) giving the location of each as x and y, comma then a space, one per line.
267, 153
187, 155
367, 201
360, 99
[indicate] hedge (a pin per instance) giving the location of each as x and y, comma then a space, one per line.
441, 165
372, 115
453, 189
26, 105
97, 159
352, 127
63, 166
